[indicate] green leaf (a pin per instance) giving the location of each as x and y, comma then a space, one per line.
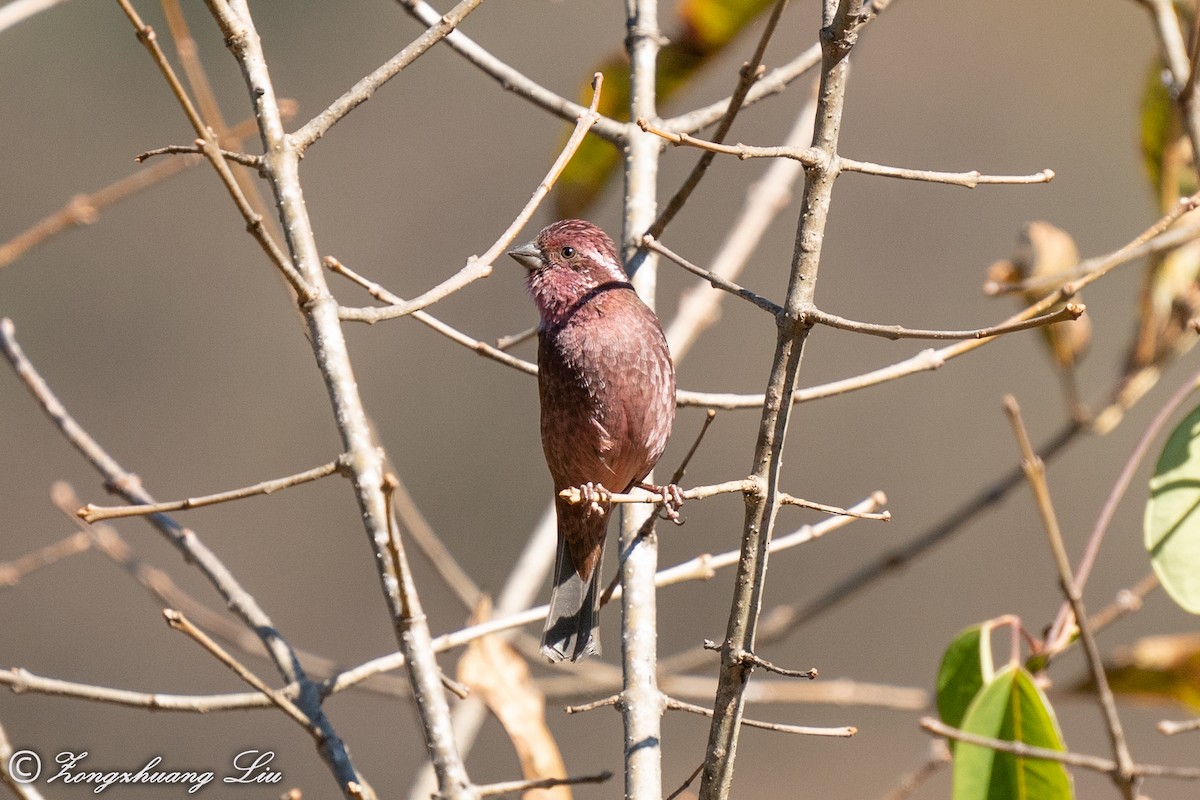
1011, 707
1172, 521
960, 676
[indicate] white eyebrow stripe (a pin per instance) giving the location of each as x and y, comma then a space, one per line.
605, 260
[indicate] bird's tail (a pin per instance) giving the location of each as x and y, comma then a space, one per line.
573, 624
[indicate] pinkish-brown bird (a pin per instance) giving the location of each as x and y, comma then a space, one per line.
607, 389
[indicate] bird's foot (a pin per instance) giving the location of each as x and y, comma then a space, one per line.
594, 498
672, 500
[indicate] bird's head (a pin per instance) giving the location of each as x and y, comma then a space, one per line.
566, 261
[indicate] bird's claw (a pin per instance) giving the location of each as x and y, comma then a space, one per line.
672, 502
594, 498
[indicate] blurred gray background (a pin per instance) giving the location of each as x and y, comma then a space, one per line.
164, 330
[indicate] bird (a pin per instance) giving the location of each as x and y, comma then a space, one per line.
606, 387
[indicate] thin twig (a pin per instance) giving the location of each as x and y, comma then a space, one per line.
366, 461
1060, 632
841, 732
511, 79
95, 513
177, 621
714, 280
1169, 728
1035, 471
688, 782
1071, 311
750, 72
245, 159
699, 568
11, 572
757, 661
774, 82
699, 308
512, 787
84, 209
478, 267
1154, 239
509, 342
939, 757
811, 158
1094, 763
1126, 602
576, 496
838, 35
482, 348
361, 91
212, 151
15, 770
788, 500
583, 708
210, 107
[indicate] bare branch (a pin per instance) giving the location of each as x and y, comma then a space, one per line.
837, 39
716, 281
1154, 239
575, 496
699, 308
757, 661
511, 79
212, 151
1035, 471
843, 732
18, 783
512, 787
481, 267
1169, 728
812, 158
482, 348
84, 209
365, 460
11, 572
245, 159
1060, 632
750, 72
789, 500
95, 513
1094, 763
772, 83
1071, 311
361, 92
747, 486
179, 622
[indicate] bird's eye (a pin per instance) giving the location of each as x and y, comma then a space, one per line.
568, 252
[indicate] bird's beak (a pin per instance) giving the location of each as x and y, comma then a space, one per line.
528, 256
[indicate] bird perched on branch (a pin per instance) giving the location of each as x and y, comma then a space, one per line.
607, 390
